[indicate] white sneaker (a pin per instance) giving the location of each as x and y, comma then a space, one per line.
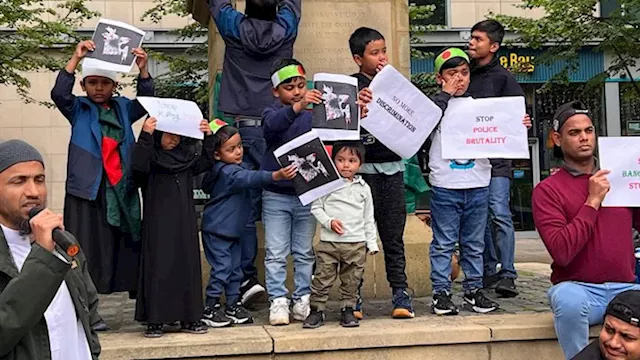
279, 311
301, 308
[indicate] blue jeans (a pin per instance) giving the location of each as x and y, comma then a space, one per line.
578, 305
288, 230
254, 148
499, 237
223, 254
457, 214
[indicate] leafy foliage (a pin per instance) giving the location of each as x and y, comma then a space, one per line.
33, 30
572, 25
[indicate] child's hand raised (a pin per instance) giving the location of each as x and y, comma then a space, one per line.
365, 96
452, 86
526, 121
286, 173
336, 226
205, 128
142, 60
83, 48
149, 125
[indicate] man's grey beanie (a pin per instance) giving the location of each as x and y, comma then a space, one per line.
17, 151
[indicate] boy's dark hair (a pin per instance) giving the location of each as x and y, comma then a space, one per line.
360, 38
451, 63
493, 29
356, 148
222, 135
262, 9
280, 63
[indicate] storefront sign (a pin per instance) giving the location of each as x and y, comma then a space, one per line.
518, 63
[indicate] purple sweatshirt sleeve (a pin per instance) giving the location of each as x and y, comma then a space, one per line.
289, 16
227, 18
563, 239
276, 121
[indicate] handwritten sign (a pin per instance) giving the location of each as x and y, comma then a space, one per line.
485, 128
175, 116
621, 155
400, 116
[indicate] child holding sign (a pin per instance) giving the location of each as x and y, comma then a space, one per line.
101, 206
383, 171
288, 225
170, 286
223, 222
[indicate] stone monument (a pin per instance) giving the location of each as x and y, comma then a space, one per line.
323, 46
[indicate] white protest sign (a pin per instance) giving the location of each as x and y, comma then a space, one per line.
175, 116
621, 155
400, 116
485, 128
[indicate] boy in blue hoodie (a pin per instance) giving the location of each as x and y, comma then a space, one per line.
102, 206
224, 220
254, 40
288, 225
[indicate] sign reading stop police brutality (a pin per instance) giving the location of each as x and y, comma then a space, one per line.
485, 128
621, 156
400, 116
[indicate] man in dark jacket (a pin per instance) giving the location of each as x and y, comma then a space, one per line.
490, 79
254, 40
620, 335
48, 303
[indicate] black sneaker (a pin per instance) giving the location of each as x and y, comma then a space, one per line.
506, 288
251, 292
196, 327
314, 320
212, 316
153, 331
476, 301
490, 282
238, 314
347, 319
442, 304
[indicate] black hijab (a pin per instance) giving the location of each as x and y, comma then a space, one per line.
179, 159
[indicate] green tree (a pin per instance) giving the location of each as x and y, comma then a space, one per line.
572, 25
35, 37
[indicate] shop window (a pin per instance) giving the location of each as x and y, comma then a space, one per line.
629, 110
439, 16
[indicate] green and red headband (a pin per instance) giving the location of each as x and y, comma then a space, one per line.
216, 125
286, 73
447, 55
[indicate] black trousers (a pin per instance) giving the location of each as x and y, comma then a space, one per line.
390, 213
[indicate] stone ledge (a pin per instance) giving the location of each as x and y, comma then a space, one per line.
372, 334
248, 340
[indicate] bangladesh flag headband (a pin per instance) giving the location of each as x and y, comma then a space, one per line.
286, 73
216, 125
447, 55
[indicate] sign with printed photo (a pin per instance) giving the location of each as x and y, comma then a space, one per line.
485, 128
338, 117
317, 175
621, 156
114, 42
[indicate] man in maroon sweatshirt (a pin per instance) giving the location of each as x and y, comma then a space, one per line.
591, 246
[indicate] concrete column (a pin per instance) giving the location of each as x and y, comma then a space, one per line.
612, 108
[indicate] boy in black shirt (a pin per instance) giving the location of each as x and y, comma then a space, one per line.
383, 171
490, 79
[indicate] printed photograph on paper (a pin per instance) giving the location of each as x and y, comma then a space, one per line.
338, 117
317, 175
114, 42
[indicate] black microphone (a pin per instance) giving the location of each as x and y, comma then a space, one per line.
63, 238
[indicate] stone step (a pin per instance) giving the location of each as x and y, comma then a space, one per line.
488, 337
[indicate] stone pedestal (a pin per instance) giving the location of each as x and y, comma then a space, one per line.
323, 46
417, 237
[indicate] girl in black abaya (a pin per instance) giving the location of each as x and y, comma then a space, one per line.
170, 286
